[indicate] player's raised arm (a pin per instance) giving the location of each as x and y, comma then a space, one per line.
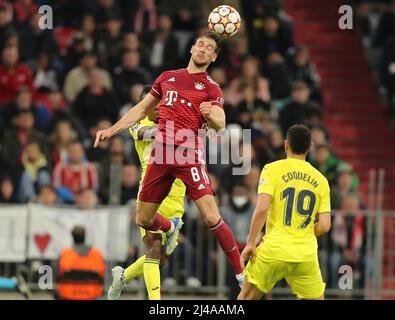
129, 119
257, 222
214, 115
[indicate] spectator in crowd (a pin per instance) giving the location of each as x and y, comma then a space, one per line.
326, 162
97, 155
117, 158
164, 44
8, 193
144, 18
87, 199
274, 149
183, 13
272, 38
51, 110
251, 102
47, 196
128, 74
62, 137
218, 74
6, 28
134, 98
78, 78
34, 40
131, 42
13, 75
23, 101
74, 53
88, 34
110, 43
250, 75
237, 55
251, 180
74, 175
104, 9
276, 71
95, 102
23, 9
130, 183
17, 138
348, 234
36, 172
81, 270
299, 109
238, 214
45, 77
319, 136
346, 183
386, 26
301, 68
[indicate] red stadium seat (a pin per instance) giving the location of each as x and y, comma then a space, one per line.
64, 36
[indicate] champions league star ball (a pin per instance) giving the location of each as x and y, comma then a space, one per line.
224, 20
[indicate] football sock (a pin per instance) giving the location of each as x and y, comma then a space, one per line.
134, 270
228, 244
152, 278
160, 223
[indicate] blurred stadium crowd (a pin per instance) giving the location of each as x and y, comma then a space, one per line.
58, 87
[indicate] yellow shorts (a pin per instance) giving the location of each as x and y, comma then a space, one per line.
304, 278
171, 207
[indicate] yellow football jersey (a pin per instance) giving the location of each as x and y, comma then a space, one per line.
299, 192
143, 149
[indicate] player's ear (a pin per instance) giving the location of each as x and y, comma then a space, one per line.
310, 147
286, 146
214, 57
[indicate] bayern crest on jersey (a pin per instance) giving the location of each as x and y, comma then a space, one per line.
199, 86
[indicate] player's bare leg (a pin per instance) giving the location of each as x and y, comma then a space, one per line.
210, 215
250, 292
148, 218
145, 215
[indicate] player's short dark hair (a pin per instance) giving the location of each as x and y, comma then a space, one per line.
213, 36
145, 91
299, 138
78, 234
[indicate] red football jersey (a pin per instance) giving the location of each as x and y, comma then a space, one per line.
181, 94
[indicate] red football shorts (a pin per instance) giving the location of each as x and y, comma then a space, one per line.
167, 163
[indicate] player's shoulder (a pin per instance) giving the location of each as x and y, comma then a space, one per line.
318, 175
211, 82
170, 75
275, 164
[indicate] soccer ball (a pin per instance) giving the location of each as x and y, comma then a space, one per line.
224, 20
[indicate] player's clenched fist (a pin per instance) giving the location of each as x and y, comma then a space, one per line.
102, 135
248, 253
206, 108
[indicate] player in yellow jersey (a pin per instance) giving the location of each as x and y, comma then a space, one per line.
293, 201
172, 206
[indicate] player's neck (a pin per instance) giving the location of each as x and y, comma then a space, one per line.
193, 68
296, 156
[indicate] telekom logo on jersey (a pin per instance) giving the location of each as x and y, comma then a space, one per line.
172, 96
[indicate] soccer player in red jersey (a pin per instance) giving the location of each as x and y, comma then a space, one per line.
189, 98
